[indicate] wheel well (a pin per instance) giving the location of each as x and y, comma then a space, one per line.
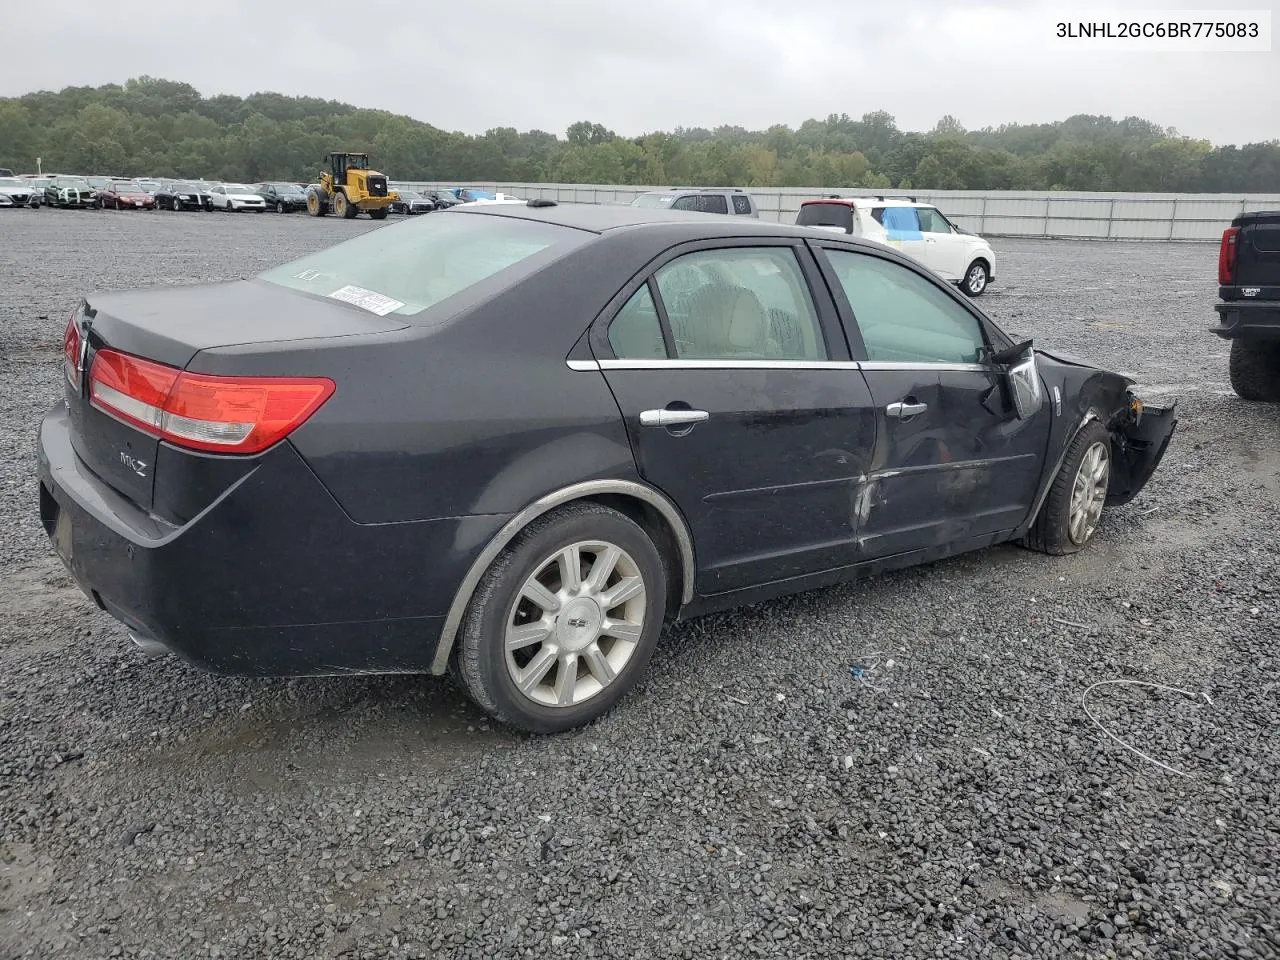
656, 526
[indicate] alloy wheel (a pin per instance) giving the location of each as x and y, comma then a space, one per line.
575, 623
1089, 493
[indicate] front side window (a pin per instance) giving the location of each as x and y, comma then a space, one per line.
689, 202
636, 332
410, 267
904, 318
741, 303
932, 221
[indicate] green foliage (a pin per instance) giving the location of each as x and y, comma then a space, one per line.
162, 128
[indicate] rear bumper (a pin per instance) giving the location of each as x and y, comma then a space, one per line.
1253, 319
271, 579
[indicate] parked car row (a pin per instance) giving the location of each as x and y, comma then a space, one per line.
144, 193
919, 230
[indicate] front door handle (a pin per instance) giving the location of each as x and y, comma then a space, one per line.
672, 418
904, 411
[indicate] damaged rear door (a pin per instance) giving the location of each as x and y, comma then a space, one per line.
953, 462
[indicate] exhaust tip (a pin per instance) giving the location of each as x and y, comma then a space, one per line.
149, 646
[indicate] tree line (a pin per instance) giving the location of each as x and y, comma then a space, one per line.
163, 128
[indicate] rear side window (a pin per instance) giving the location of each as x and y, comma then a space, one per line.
826, 215
741, 204
703, 203
903, 318
714, 203
745, 303
900, 223
636, 333
412, 266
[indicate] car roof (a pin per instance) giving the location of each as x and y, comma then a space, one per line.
867, 202
601, 218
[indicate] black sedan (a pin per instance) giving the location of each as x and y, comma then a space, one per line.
282, 197
181, 195
409, 202
510, 441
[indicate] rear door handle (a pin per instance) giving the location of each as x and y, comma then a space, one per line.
672, 418
904, 411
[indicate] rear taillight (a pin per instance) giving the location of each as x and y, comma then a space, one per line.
202, 412
1227, 255
71, 351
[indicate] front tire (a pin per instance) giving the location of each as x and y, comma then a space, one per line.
976, 278
279, 207
1069, 515
564, 621
378, 214
343, 207
1255, 370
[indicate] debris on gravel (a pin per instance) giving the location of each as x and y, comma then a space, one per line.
895, 768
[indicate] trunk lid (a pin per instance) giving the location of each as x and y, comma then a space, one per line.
1257, 267
170, 326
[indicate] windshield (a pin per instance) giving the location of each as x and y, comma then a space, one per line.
11, 182
73, 182
286, 188
412, 266
653, 200
409, 195
236, 188
183, 187
127, 188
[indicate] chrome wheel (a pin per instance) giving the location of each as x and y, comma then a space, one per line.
575, 623
1089, 493
976, 280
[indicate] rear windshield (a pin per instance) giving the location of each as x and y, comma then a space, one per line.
406, 268
826, 215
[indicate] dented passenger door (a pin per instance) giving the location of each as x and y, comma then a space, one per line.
953, 465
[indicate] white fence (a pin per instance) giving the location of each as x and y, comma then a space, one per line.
1076, 216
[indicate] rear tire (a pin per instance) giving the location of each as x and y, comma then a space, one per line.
1255, 370
378, 214
1081, 484
591, 652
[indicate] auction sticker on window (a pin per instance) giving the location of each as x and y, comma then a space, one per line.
368, 299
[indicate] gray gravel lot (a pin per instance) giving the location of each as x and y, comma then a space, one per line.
751, 797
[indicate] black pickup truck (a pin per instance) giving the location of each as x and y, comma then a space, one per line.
1249, 307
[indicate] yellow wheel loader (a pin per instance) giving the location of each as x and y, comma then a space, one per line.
348, 188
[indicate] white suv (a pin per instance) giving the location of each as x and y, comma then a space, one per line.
917, 229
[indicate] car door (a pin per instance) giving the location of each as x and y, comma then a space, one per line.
946, 250
953, 463
742, 405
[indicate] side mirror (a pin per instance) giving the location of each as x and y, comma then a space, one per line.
1025, 384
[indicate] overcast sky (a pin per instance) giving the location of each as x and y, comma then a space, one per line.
638, 66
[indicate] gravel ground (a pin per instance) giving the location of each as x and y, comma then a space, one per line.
751, 797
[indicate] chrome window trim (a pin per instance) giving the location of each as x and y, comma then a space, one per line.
924, 365
664, 364
589, 488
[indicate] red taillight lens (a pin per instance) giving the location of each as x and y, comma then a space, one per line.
202, 412
1227, 255
71, 352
